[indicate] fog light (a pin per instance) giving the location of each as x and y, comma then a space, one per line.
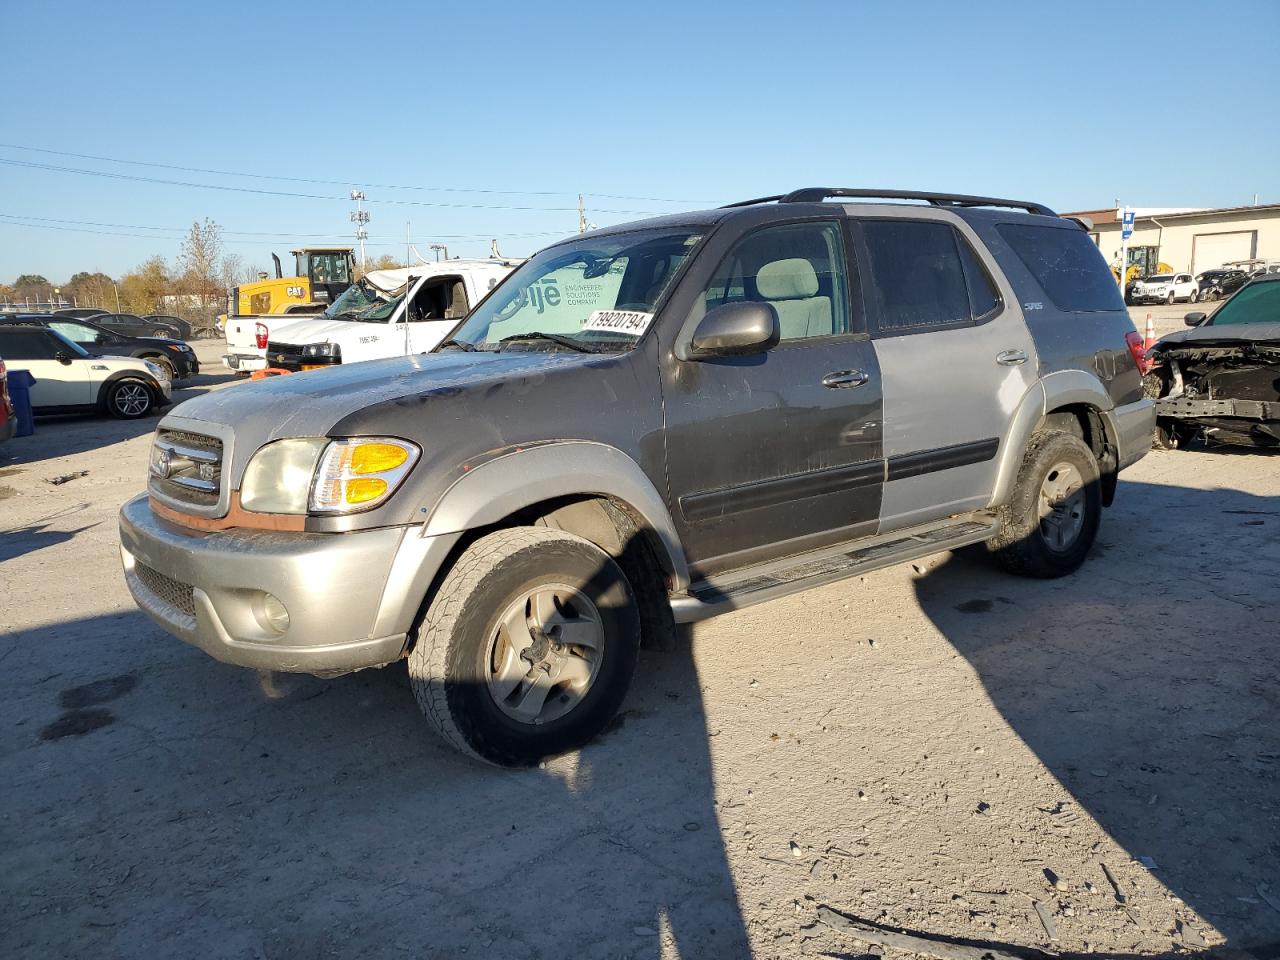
273, 614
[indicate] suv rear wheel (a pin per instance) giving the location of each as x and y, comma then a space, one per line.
528, 647
1051, 520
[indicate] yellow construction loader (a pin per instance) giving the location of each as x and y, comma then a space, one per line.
320, 276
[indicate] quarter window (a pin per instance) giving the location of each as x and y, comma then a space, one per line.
798, 269
28, 345
1067, 266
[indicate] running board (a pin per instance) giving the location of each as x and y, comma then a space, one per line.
781, 578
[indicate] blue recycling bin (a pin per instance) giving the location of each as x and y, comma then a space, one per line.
20, 382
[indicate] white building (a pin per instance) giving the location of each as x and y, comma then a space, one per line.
1187, 239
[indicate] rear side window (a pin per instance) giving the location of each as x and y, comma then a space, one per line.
924, 276
1066, 264
33, 344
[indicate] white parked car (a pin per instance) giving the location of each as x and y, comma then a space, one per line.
70, 379
1166, 288
388, 313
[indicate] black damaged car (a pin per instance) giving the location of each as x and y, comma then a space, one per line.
1220, 380
174, 355
1217, 284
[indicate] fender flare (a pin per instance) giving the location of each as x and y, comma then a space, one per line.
1059, 389
530, 475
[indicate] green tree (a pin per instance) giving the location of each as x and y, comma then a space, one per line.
90, 290
142, 287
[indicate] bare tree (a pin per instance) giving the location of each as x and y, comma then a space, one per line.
199, 260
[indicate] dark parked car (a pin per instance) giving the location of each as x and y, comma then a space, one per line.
80, 313
169, 320
1217, 284
134, 326
1220, 381
178, 359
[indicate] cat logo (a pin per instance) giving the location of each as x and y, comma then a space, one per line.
294, 292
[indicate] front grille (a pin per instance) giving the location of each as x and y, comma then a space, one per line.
173, 593
186, 467
283, 354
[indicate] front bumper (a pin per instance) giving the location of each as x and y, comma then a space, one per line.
1134, 424
349, 606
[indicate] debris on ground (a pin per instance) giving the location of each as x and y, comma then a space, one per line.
1115, 884
924, 944
67, 478
1046, 919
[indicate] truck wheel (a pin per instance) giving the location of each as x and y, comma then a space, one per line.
1050, 521
129, 399
528, 647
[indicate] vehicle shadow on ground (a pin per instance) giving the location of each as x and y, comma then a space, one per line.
189, 808
64, 436
1126, 729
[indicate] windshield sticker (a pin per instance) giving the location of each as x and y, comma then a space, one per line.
618, 321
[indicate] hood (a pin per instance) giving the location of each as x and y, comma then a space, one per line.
310, 404
315, 330
1231, 334
165, 342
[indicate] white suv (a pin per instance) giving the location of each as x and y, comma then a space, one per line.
70, 379
1166, 288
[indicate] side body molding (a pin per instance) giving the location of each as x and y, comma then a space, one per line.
531, 475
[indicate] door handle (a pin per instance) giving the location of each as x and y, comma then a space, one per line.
1011, 358
844, 379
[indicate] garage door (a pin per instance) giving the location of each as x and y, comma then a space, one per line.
1209, 250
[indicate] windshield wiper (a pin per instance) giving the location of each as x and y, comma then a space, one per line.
570, 342
460, 344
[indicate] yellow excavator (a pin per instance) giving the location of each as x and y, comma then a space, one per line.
321, 274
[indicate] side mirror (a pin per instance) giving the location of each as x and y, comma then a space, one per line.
63, 358
1194, 319
735, 330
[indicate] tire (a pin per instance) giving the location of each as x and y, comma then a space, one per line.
472, 682
167, 365
1195, 296
1055, 465
130, 399
1169, 299
160, 332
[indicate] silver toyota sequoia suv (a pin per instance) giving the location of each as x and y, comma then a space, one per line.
642, 426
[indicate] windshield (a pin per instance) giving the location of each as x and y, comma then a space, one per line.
355, 299
1255, 303
379, 312
596, 293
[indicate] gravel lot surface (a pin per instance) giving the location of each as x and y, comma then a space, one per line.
937, 747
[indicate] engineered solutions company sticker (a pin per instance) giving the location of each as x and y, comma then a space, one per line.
618, 321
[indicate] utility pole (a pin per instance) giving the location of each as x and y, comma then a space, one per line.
407, 244
360, 216
582, 215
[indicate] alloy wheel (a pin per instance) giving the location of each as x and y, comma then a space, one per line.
544, 654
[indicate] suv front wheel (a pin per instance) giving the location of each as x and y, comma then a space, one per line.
527, 648
1051, 520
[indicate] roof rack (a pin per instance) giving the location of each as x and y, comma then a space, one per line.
818, 194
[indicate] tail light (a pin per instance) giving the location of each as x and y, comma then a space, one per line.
260, 335
1138, 350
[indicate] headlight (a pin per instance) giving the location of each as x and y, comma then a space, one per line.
325, 349
325, 476
360, 473
278, 478
156, 370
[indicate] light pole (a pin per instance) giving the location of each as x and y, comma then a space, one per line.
117, 290
360, 217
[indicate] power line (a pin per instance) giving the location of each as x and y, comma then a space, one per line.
305, 196
8, 220
349, 182
284, 236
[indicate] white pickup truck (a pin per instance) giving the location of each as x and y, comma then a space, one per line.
389, 313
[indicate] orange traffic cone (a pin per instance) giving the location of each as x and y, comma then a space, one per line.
1149, 338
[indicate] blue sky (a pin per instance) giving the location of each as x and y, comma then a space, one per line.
1074, 105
